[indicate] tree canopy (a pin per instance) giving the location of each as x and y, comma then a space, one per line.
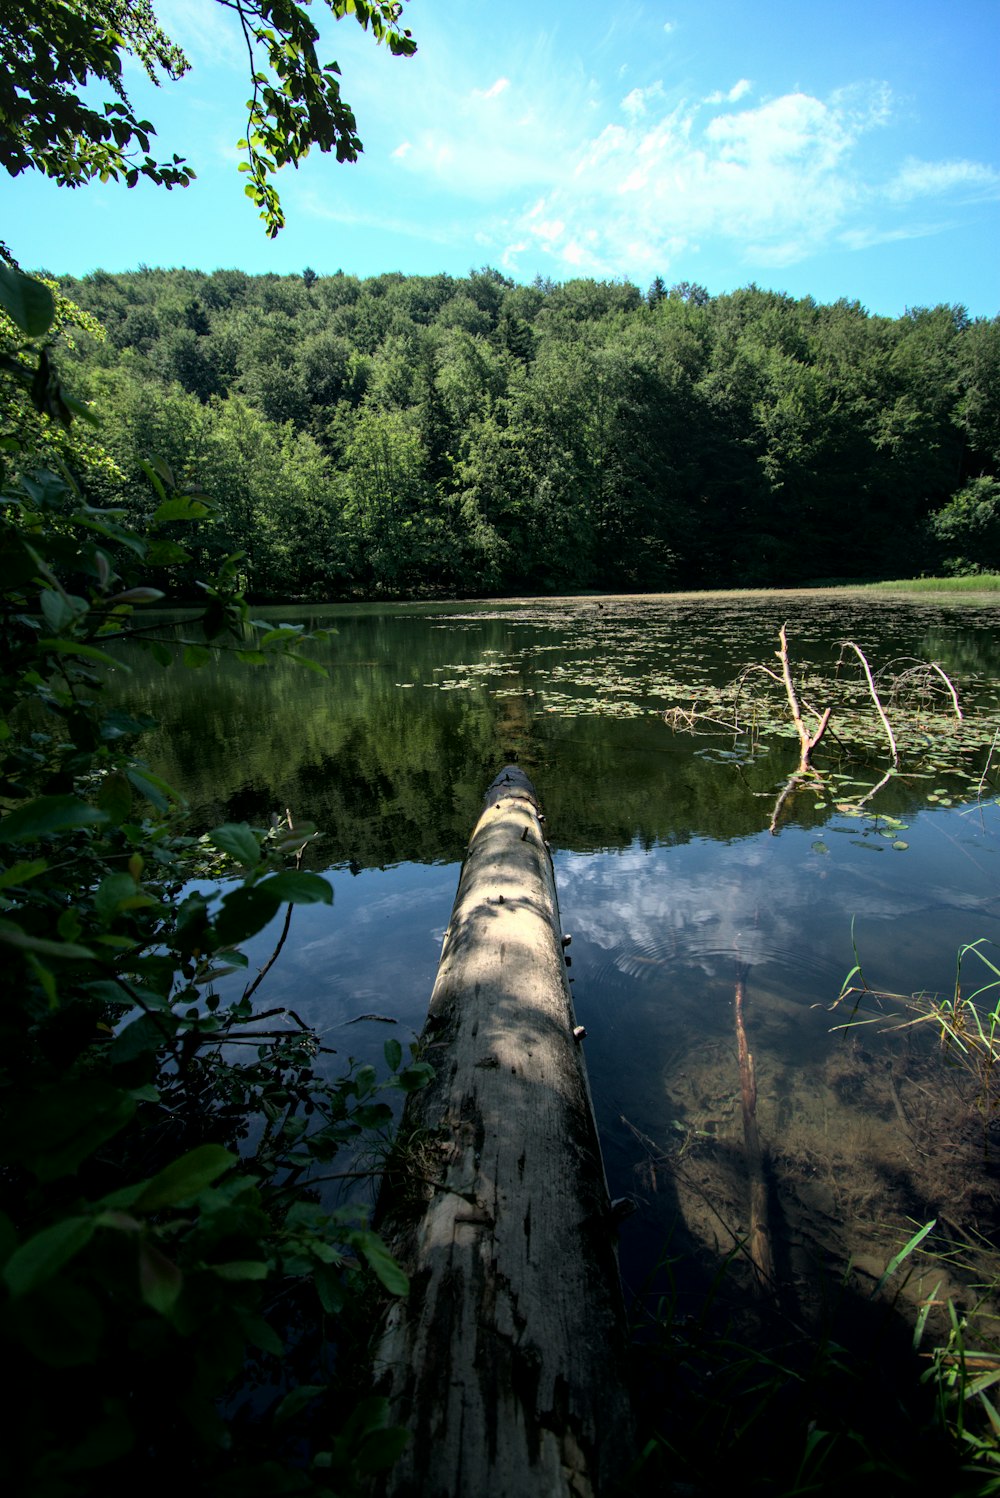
400, 435
50, 52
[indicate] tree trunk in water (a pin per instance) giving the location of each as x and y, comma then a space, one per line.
760, 1237
507, 1362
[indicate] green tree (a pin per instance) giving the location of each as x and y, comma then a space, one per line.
398, 537
967, 528
50, 52
274, 499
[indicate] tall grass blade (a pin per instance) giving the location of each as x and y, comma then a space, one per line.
904, 1253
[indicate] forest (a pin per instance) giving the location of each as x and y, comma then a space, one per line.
407, 436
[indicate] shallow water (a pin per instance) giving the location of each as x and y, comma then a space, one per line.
670, 880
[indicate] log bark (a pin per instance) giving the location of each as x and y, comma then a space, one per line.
507, 1361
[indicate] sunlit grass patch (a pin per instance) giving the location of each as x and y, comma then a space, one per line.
980, 582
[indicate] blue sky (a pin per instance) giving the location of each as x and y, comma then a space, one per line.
845, 148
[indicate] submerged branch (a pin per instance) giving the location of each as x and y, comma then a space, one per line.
760, 1236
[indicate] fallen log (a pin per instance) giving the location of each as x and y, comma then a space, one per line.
507, 1361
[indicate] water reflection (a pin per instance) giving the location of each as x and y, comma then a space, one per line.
668, 879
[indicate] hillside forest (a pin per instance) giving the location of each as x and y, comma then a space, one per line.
402, 436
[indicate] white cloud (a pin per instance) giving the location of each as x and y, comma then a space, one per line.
923, 179
550, 168
738, 91
493, 91
319, 205
776, 182
636, 104
514, 137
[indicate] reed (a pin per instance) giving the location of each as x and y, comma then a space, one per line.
967, 1019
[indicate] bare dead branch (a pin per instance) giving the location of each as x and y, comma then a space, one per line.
808, 741
948, 683
850, 645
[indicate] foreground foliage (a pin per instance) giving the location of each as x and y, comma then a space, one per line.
173, 1275
53, 58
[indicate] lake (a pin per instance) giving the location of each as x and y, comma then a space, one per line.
680, 872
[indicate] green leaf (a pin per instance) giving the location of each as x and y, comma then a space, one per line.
393, 1053
48, 815
181, 507
22, 872
60, 610
414, 1077
299, 887
261, 1335
364, 1082
236, 839
240, 1269
372, 1115
64, 951
307, 662
138, 595
184, 1178
330, 1289
117, 724
116, 893
115, 798
245, 911
381, 1451
44, 1255
297, 1400
166, 554
196, 656
369, 1417
54, 1129
156, 790
904, 1253
273, 636
381, 1261
143, 1036
46, 979
29, 305
162, 654
86, 652
61, 1324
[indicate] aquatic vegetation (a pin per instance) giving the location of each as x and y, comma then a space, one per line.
967, 1024
928, 722
779, 1407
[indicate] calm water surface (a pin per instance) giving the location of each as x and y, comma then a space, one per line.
669, 880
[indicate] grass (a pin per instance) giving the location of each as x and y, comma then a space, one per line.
852, 1403
980, 582
968, 1024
